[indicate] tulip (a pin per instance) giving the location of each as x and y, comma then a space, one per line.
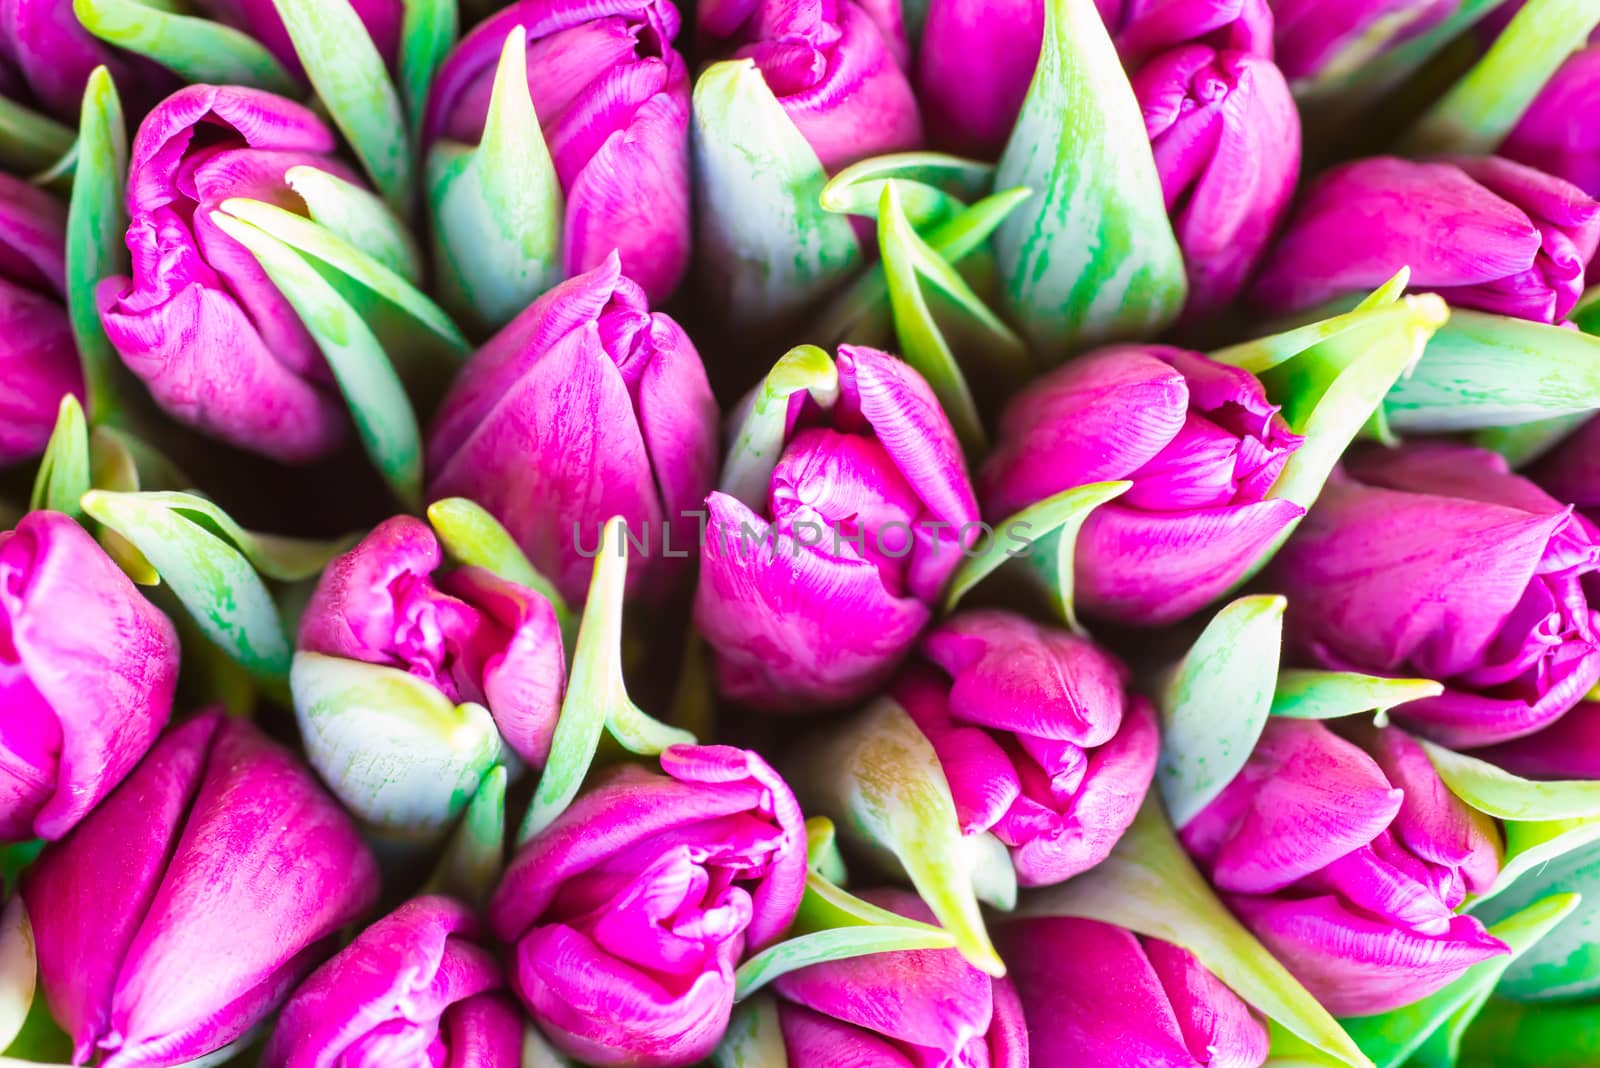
920, 1006
836, 66
584, 407
867, 513
1520, 239
187, 906
217, 344
612, 97
1349, 864
1143, 27
1436, 562
54, 55
1552, 134
38, 359
628, 914
412, 989
1202, 448
260, 19
1332, 37
1095, 994
88, 668
1226, 137
1038, 737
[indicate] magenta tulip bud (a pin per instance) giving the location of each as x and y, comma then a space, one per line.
1038, 736
628, 915
1317, 36
1520, 239
54, 55
88, 668
584, 407
1553, 135
1226, 137
838, 67
612, 96
219, 840
920, 1006
1349, 867
260, 19
1201, 446
1098, 994
415, 988
867, 513
1143, 27
217, 344
1435, 561
472, 635
38, 357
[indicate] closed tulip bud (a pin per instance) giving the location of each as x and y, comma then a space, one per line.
1226, 137
628, 915
612, 97
1552, 134
1436, 562
1098, 994
1201, 446
219, 840
38, 359
1038, 737
1334, 37
1143, 27
836, 66
584, 407
920, 1006
1349, 864
199, 322
816, 598
1520, 243
470, 634
415, 988
54, 55
87, 672
260, 19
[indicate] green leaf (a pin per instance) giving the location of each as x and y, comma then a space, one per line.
96, 228
1305, 694
30, 142
394, 749
880, 780
497, 209
1393, 1038
1150, 886
276, 557
759, 443
208, 572
1508, 1034
348, 74
1566, 963
1498, 793
934, 187
472, 536
1526, 442
1586, 313
1485, 370
822, 850
360, 219
754, 1038
383, 415
476, 853
19, 970
1480, 109
1091, 258
63, 476
768, 245
427, 32
1216, 703
1264, 353
1045, 534
597, 698
199, 50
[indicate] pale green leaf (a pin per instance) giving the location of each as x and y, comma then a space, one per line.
1566, 963
274, 556
759, 441
934, 187
472, 536
63, 476
360, 219
19, 970
822, 850
1309, 694
97, 225
1498, 793
199, 50
427, 32
754, 1038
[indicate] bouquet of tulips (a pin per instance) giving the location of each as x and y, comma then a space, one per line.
800, 533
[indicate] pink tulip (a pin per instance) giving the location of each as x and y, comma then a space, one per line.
38, 357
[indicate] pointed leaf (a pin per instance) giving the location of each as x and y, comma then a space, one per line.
822, 850
475, 855
1480, 109
1566, 963
763, 421
839, 943
383, 415
1091, 257
1150, 886
1217, 702
427, 33
769, 244
29, 141
934, 186
19, 970
198, 49
1264, 353
472, 536
1304, 694
63, 476
276, 557
498, 208
880, 780
213, 579
360, 219
1497, 792
348, 74
754, 1038
96, 227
